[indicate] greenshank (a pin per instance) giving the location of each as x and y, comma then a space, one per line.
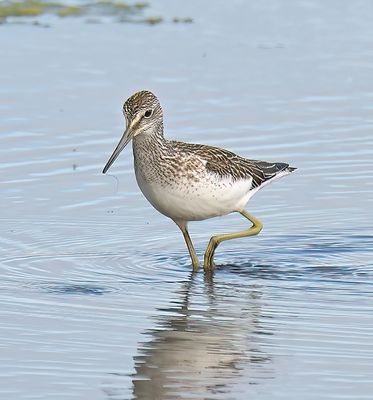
191, 182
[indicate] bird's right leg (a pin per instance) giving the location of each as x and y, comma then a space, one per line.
184, 229
214, 242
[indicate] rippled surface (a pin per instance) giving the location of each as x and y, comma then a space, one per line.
97, 298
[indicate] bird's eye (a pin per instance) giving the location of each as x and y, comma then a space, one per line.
148, 113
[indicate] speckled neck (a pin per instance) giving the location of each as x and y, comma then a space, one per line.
149, 148
150, 141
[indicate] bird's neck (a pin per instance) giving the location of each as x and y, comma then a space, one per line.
150, 143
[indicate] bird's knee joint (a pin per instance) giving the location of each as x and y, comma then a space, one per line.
256, 228
214, 241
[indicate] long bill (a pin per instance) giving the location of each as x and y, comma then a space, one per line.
127, 136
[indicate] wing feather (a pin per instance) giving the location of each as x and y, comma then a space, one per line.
227, 164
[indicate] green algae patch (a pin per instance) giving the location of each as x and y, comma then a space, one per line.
32, 8
152, 20
120, 10
118, 6
70, 11
140, 6
25, 8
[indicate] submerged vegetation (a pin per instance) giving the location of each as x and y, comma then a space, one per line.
68, 11
27, 8
125, 12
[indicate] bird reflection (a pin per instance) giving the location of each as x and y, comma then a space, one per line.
203, 344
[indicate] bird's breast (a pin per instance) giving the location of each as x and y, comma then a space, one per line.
190, 195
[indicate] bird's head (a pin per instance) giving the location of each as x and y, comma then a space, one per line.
143, 114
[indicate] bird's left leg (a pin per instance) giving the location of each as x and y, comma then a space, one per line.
184, 229
216, 240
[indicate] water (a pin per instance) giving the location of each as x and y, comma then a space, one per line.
97, 296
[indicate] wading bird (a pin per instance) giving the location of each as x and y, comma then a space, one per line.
190, 182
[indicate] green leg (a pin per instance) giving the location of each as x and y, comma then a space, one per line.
216, 240
184, 229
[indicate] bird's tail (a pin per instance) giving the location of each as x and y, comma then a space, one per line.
291, 169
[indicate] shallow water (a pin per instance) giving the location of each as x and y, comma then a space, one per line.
97, 296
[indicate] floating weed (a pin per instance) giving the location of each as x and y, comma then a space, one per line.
118, 6
125, 12
148, 20
69, 11
152, 20
140, 6
26, 8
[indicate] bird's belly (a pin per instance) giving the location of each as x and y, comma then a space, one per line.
196, 200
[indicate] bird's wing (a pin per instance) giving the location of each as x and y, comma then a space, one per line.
227, 164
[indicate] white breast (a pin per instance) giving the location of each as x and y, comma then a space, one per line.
193, 201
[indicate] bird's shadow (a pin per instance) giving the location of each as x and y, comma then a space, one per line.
282, 271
